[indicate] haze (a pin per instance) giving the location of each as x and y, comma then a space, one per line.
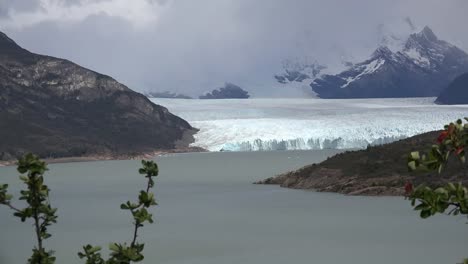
191, 46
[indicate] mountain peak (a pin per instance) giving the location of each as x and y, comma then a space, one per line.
8, 46
382, 51
425, 40
428, 34
422, 68
4, 39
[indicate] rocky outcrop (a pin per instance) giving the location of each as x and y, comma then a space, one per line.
229, 91
423, 68
456, 92
56, 108
378, 170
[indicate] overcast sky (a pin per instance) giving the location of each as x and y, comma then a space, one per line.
192, 46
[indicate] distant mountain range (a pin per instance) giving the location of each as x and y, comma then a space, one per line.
229, 91
296, 71
166, 94
56, 108
420, 65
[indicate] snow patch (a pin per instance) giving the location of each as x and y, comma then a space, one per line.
417, 58
369, 68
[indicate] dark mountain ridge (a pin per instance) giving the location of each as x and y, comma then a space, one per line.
56, 108
456, 92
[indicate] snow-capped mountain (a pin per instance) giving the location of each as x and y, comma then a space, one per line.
423, 67
299, 72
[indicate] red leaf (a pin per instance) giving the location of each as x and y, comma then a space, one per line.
442, 136
408, 188
451, 128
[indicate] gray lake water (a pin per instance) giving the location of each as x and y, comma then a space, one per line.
210, 213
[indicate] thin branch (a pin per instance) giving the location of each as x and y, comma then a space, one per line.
34, 205
137, 225
12, 207
135, 233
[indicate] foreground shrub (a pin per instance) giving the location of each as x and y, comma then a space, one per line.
40, 211
452, 198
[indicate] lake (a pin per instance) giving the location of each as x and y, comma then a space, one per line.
210, 213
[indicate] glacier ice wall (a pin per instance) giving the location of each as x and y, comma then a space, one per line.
302, 124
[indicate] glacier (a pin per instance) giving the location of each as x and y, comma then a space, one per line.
304, 124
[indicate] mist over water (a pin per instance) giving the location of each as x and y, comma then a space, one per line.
210, 213
304, 124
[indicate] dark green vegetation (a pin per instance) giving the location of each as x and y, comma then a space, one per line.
55, 108
43, 215
377, 170
456, 92
38, 205
451, 198
229, 91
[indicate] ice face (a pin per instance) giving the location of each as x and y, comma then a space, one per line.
291, 124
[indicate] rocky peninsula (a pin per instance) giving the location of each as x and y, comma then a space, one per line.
374, 171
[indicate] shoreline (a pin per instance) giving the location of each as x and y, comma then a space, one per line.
109, 157
375, 171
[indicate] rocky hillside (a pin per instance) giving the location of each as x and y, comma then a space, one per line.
229, 91
424, 67
378, 170
56, 108
456, 92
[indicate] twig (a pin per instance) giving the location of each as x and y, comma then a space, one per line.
12, 207
137, 225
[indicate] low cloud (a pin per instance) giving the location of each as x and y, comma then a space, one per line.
194, 46
139, 13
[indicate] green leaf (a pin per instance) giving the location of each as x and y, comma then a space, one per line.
451, 187
94, 249
425, 214
114, 247
441, 190
415, 155
24, 178
422, 206
412, 165
439, 170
